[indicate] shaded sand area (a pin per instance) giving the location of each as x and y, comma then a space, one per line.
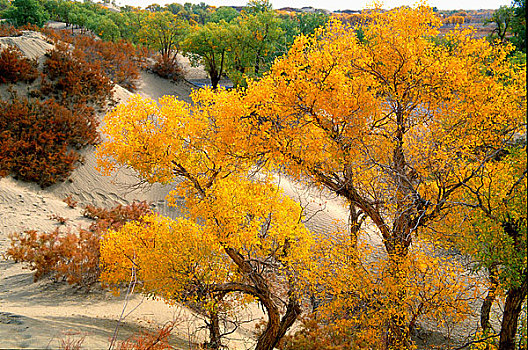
42, 314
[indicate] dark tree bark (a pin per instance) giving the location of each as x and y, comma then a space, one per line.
277, 327
488, 302
215, 341
514, 296
512, 308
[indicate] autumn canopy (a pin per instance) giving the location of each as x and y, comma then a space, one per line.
399, 122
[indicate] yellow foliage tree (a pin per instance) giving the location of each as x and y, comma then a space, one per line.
491, 228
249, 239
395, 122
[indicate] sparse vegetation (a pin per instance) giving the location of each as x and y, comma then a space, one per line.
150, 340
60, 219
14, 67
72, 256
70, 202
40, 140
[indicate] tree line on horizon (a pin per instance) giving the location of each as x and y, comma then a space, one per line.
238, 44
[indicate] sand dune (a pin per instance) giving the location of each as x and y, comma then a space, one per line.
39, 315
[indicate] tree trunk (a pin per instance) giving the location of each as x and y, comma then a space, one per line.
488, 302
397, 336
268, 338
397, 333
215, 79
214, 331
512, 309
355, 224
276, 327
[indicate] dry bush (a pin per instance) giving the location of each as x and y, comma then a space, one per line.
14, 67
154, 340
115, 217
121, 60
167, 67
40, 140
74, 79
71, 256
7, 29
70, 202
69, 342
60, 219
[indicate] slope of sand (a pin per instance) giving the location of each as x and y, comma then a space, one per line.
42, 314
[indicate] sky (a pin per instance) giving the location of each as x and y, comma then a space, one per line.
333, 5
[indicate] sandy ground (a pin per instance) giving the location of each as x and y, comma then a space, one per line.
42, 314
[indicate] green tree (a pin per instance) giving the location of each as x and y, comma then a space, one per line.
208, 45
299, 23
502, 19
163, 32
176, 9
258, 6
102, 26
131, 24
4, 4
23, 12
196, 13
225, 13
254, 43
518, 25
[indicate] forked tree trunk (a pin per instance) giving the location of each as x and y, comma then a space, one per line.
277, 327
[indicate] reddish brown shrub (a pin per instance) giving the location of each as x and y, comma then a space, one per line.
121, 60
7, 29
154, 340
70, 202
167, 67
14, 67
30, 27
70, 342
38, 140
70, 256
74, 79
114, 218
61, 220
